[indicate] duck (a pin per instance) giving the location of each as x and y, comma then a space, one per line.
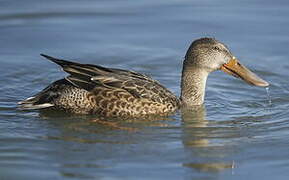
112, 92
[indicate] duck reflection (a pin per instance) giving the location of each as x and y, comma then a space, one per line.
197, 137
203, 150
194, 123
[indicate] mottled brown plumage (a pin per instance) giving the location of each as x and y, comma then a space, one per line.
91, 89
109, 92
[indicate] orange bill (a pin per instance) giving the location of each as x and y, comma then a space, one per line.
234, 68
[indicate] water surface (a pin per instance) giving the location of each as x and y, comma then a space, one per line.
237, 134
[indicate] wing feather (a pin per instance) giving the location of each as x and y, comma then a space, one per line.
88, 77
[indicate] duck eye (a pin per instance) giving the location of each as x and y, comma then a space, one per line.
216, 48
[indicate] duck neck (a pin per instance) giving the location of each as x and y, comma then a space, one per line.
193, 85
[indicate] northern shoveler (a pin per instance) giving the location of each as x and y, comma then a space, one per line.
110, 92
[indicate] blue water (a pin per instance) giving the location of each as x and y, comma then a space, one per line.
238, 134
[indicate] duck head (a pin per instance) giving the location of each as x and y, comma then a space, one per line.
210, 55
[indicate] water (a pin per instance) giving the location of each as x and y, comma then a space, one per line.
234, 136
269, 96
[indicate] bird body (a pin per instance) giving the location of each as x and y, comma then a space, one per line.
92, 89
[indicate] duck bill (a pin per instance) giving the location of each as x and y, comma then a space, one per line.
235, 68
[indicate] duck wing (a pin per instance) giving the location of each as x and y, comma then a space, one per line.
89, 77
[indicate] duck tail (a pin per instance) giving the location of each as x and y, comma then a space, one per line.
45, 98
33, 103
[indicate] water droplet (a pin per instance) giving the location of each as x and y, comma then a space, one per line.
268, 96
